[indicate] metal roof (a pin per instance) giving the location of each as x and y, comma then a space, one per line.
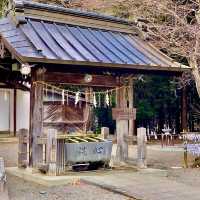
59, 9
35, 40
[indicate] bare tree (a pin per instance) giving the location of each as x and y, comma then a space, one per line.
172, 25
175, 29
3, 5
81, 4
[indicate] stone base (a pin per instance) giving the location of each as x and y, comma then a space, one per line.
35, 176
142, 164
32, 175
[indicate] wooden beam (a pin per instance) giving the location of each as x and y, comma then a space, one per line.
23, 154
78, 79
14, 85
105, 65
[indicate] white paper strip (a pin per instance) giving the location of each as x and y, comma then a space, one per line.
107, 99
67, 99
63, 97
94, 100
77, 98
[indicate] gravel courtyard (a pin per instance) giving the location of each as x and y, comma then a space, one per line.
168, 158
22, 190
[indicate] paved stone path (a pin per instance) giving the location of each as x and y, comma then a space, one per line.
146, 186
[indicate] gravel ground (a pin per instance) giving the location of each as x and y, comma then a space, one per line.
9, 152
19, 189
157, 157
187, 176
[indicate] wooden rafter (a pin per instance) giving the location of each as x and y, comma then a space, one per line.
2, 49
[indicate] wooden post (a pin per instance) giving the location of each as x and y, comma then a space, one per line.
60, 160
141, 148
122, 128
15, 112
52, 152
105, 132
36, 116
184, 110
22, 148
131, 105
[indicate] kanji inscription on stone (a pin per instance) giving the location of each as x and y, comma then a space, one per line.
124, 113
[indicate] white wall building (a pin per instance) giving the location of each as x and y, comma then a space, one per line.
7, 110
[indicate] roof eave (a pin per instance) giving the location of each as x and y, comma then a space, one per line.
181, 68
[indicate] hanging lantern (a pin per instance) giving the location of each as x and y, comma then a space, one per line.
25, 69
88, 78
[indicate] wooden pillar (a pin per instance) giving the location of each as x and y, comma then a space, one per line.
184, 110
121, 127
88, 112
36, 117
15, 112
141, 148
52, 151
22, 148
131, 105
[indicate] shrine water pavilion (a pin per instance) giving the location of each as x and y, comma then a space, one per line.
46, 50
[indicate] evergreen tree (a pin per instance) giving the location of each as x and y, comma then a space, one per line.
157, 101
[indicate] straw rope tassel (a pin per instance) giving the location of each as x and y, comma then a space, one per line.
77, 95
